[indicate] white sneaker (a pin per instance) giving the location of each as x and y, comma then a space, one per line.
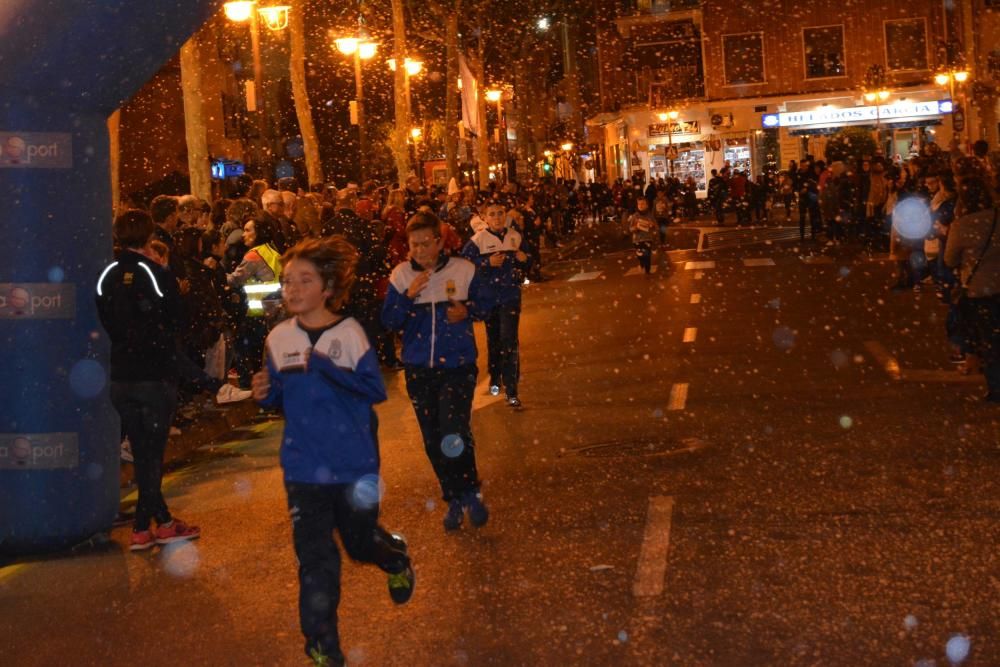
230, 394
126, 451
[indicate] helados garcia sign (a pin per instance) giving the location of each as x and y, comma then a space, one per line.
831, 116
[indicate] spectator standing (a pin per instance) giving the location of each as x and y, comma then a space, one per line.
139, 307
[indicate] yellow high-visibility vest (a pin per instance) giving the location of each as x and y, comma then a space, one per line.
257, 292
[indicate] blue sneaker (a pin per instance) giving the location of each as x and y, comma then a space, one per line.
454, 516
478, 513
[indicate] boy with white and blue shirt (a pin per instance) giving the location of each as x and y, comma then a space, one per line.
430, 299
501, 265
322, 372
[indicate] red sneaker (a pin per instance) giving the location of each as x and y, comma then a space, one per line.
176, 531
141, 540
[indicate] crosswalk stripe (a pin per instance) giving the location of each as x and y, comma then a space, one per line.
694, 266
690, 334
695, 298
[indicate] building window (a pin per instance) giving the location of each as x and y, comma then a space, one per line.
906, 44
824, 49
743, 58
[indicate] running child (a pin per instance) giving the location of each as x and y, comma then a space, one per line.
322, 372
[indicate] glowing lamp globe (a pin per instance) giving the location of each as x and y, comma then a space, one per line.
238, 11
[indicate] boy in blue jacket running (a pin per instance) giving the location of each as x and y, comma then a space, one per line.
322, 372
431, 298
501, 265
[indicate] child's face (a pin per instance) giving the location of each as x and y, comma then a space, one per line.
425, 247
496, 218
302, 288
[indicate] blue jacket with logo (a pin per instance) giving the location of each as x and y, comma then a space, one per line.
429, 339
501, 284
327, 392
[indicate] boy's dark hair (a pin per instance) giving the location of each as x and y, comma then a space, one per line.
980, 148
162, 207
209, 240
133, 229
186, 242
424, 220
335, 260
266, 229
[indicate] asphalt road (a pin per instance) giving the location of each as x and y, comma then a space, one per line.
774, 491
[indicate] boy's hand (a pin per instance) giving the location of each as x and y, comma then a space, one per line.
496, 259
261, 384
418, 285
520, 256
456, 311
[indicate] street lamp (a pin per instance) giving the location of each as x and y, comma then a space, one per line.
275, 18
669, 117
362, 48
875, 91
948, 78
496, 95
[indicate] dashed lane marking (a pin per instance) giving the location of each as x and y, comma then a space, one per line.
690, 333
698, 275
652, 568
678, 396
636, 271
817, 259
694, 266
589, 275
695, 298
758, 261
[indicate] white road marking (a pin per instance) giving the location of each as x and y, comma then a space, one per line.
888, 362
695, 298
584, 276
652, 567
678, 396
698, 275
693, 266
637, 270
891, 366
759, 261
690, 333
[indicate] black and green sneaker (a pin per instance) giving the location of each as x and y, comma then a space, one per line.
401, 585
320, 659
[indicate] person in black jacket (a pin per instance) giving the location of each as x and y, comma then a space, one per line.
139, 306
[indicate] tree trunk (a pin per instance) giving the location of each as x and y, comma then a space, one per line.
300, 93
400, 145
195, 132
483, 138
451, 92
115, 144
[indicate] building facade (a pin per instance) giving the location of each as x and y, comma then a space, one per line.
689, 86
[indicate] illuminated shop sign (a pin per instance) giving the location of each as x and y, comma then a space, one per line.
674, 127
831, 116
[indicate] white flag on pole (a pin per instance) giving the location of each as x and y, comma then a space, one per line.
470, 101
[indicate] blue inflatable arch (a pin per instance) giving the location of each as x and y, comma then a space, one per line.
65, 66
